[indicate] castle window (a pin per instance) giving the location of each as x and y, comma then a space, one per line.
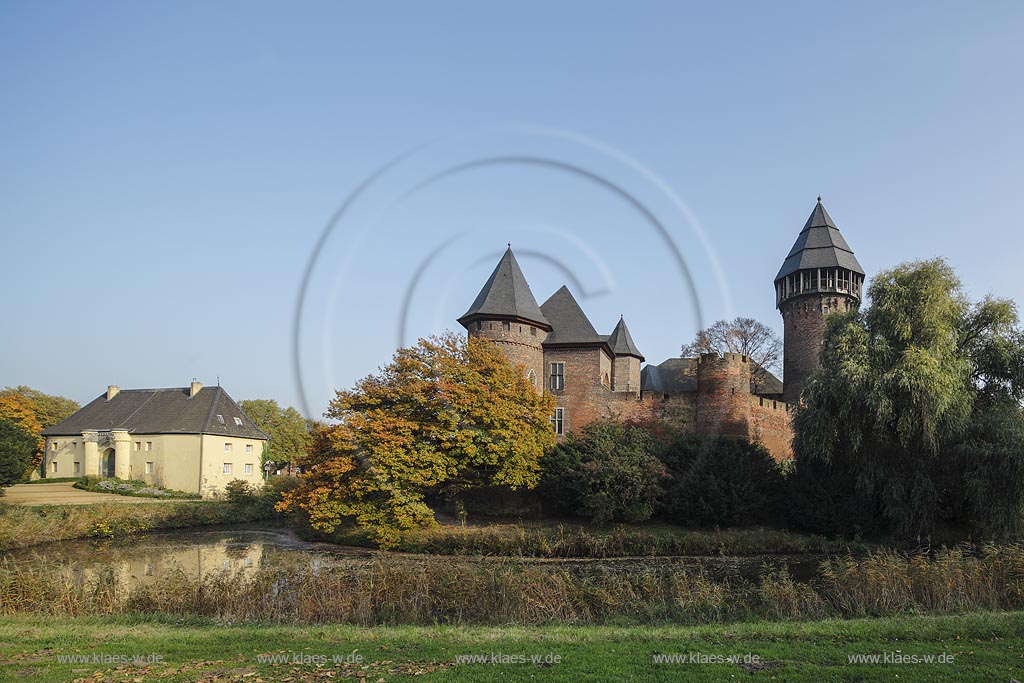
557, 377
479, 325
774, 405
533, 331
557, 421
532, 376
506, 326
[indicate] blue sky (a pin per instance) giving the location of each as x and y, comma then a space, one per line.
168, 170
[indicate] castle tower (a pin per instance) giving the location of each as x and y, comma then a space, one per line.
723, 394
819, 276
626, 359
506, 313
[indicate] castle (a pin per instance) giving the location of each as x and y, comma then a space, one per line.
599, 377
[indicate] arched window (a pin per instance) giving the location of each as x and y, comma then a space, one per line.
532, 376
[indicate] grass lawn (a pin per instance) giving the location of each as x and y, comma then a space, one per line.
985, 646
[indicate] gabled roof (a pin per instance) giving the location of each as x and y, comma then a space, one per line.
506, 294
819, 245
569, 324
679, 376
621, 341
161, 411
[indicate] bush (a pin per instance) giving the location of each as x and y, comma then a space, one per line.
239, 492
721, 481
129, 487
608, 473
17, 447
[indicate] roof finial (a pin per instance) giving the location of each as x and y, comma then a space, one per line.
819, 199
509, 245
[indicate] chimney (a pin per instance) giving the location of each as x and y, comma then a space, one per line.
194, 389
112, 391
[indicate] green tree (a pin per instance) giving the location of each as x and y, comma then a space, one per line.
721, 481
918, 401
609, 472
286, 427
444, 415
17, 449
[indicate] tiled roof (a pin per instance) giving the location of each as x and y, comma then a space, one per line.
569, 324
161, 411
819, 245
505, 294
621, 341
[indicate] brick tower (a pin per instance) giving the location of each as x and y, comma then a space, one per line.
506, 313
723, 394
819, 276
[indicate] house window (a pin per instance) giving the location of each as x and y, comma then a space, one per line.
138, 445
557, 421
248, 448
506, 327
53, 445
53, 467
557, 377
227, 468
149, 445
248, 468
149, 468
78, 468
227, 447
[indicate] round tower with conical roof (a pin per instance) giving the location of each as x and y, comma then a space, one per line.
819, 276
506, 313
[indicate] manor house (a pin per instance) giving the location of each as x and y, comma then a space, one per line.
597, 376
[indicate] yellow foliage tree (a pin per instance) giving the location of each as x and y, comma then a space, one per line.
445, 415
22, 411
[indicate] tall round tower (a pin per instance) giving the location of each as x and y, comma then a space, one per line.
723, 394
820, 276
506, 313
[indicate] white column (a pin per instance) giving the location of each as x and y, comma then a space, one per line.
122, 452
91, 454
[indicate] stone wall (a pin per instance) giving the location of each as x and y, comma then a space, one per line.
520, 342
803, 319
771, 426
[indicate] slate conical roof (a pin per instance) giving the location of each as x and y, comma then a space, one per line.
506, 294
622, 342
819, 245
569, 324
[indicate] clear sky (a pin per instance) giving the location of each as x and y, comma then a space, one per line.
168, 170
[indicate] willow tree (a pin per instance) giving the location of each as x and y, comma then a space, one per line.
916, 405
447, 414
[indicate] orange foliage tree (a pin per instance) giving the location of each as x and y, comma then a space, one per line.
21, 411
445, 415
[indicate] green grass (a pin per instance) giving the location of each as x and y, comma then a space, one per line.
572, 539
985, 646
54, 480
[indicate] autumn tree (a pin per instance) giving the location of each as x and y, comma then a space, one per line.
447, 414
286, 427
21, 411
49, 409
742, 335
915, 409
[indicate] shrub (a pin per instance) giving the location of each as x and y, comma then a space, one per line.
17, 448
608, 473
239, 492
721, 481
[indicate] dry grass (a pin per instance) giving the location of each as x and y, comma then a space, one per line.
395, 590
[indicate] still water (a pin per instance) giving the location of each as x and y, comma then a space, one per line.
241, 550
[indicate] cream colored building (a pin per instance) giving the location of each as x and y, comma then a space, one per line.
191, 439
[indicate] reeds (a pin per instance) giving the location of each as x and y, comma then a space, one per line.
403, 590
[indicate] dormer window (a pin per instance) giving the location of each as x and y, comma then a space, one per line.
238, 421
220, 418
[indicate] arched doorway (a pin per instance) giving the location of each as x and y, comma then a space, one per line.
107, 463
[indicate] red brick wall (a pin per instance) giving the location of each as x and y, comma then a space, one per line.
803, 321
518, 343
723, 394
771, 426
